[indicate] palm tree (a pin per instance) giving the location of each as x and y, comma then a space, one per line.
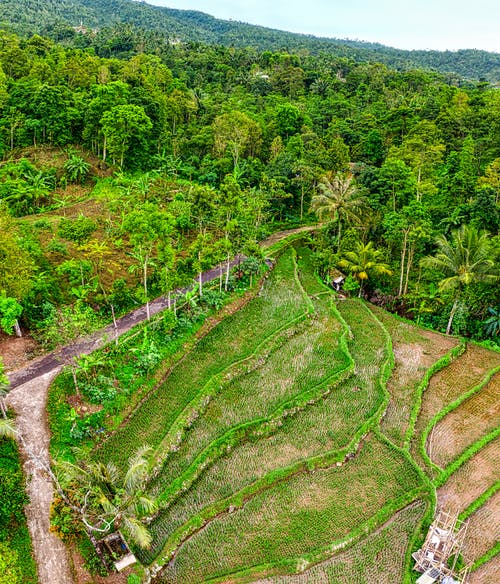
464, 258
111, 498
339, 200
364, 262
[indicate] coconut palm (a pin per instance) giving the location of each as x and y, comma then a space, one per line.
364, 262
464, 258
338, 200
111, 498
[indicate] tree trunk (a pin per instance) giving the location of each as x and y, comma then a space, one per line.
200, 283
452, 314
97, 548
17, 329
75, 381
339, 230
145, 276
114, 323
409, 263
228, 266
104, 150
402, 268
220, 278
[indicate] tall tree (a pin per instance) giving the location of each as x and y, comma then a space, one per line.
16, 271
121, 126
464, 258
338, 200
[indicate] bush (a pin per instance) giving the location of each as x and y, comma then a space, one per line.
99, 391
78, 230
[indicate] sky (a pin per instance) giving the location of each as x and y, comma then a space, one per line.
417, 24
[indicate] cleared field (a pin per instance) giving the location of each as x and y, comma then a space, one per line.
415, 350
280, 301
483, 529
294, 518
471, 479
449, 384
328, 424
378, 558
488, 573
466, 424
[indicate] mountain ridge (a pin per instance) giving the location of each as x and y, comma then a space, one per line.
27, 17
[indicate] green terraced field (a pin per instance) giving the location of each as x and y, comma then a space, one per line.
289, 444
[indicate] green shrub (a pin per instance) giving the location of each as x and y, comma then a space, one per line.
78, 230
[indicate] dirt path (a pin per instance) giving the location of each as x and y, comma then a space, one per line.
28, 398
29, 401
64, 355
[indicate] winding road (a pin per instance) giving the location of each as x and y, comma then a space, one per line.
28, 398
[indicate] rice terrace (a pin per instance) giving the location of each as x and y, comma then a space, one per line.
297, 437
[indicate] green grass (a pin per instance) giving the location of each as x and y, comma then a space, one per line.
280, 302
296, 517
324, 425
250, 461
255, 428
377, 558
305, 359
16, 558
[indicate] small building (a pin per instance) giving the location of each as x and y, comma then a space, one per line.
117, 548
336, 278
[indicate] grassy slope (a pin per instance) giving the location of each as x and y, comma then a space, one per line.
378, 558
295, 518
238, 335
273, 353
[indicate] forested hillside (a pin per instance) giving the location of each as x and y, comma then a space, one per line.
261, 403
56, 18
172, 161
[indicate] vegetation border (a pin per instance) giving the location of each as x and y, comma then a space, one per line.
306, 561
489, 555
199, 520
479, 502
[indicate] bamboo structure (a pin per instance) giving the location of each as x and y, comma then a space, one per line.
437, 559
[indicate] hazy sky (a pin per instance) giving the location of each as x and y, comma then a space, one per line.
419, 24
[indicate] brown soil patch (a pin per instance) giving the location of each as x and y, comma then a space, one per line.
471, 479
450, 383
16, 352
276, 237
488, 573
483, 529
415, 350
463, 426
